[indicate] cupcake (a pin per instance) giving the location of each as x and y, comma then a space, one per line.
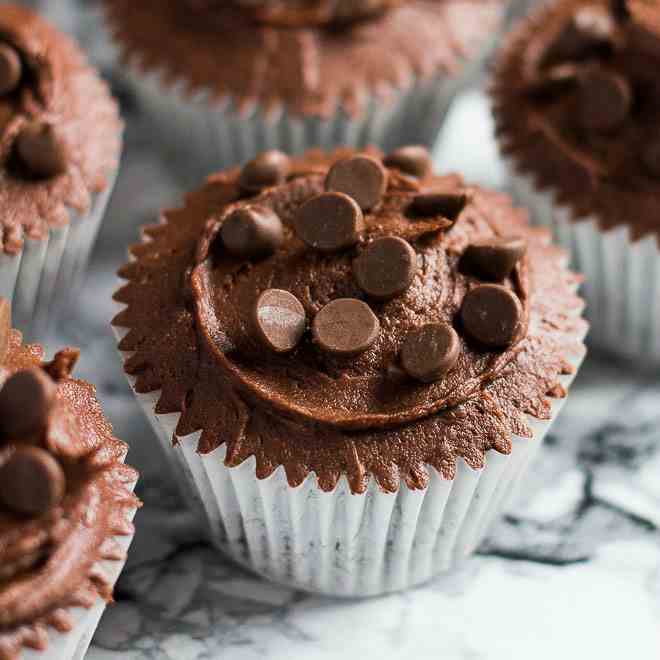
59, 152
66, 504
223, 80
350, 368
577, 99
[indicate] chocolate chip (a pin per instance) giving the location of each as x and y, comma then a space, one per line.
31, 482
430, 352
5, 328
360, 177
605, 100
328, 222
590, 31
386, 268
495, 258
651, 157
252, 232
448, 205
11, 69
345, 327
280, 320
554, 81
25, 402
41, 150
413, 160
492, 315
268, 169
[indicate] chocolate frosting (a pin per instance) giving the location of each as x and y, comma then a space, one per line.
59, 88
189, 308
301, 13
308, 70
49, 562
550, 116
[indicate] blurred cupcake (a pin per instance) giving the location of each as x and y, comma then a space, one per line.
60, 145
577, 101
66, 504
356, 364
224, 80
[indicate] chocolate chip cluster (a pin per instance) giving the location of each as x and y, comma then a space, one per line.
383, 268
38, 150
32, 480
579, 61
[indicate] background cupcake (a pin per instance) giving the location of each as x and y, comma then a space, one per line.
66, 503
59, 149
352, 401
577, 101
224, 81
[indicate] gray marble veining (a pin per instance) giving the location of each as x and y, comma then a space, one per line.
573, 572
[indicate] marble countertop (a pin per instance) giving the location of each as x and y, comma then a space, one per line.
573, 572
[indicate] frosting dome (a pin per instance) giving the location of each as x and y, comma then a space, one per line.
577, 102
64, 494
365, 337
60, 132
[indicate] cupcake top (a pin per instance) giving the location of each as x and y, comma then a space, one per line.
345, 314
64, 493
60, 134
577, 99
310, 57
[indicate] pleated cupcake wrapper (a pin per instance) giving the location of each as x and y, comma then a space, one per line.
622, 276
74, 644
339, 543
201, 134
42, 280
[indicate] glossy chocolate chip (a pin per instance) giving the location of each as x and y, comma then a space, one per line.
361, 177
386, 267
448, 205
41, 150
5, 328
495, 258
11, 69
328, 222
430, 352
251, 232
492, 315
268, 169
413, 160
554, 81
25, 402
588, 32
280, 320
651, 157
605, 100
345, 327
32, 482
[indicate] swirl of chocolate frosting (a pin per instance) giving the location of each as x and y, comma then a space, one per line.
576, 102
64, 493
400, 319
317, 386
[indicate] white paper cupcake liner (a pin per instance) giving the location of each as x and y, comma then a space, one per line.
339, 543
199, 135
41, 281
74, 644
622, 276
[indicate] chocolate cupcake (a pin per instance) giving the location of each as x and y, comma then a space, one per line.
225, 80
356, 362
66, 503
60, 144
577, 100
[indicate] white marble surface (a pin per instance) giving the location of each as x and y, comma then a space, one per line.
573, 573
